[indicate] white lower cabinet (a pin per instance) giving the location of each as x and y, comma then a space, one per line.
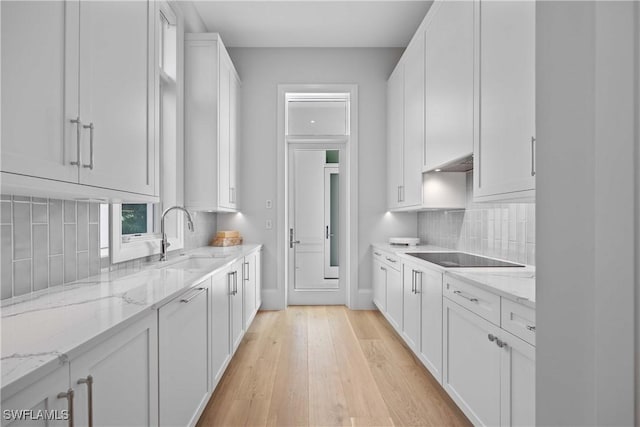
411, 282
431, 322
237, 304
379, 277
394, 297
116, 382
488, 372
221, 288
40, 396
251, 284
184, 356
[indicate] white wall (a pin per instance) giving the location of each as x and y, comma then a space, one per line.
261, 70
587, 191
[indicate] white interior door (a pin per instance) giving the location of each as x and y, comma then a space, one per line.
308, 279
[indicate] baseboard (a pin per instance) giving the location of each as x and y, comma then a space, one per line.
272, 300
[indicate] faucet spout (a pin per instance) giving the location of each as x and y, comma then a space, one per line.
164, 244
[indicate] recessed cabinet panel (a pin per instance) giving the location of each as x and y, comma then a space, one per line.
504, 150
449, 83
39, 42
317, 117
395, 136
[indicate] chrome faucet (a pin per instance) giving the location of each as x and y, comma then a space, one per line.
165, 242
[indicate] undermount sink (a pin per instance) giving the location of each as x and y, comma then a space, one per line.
191, 263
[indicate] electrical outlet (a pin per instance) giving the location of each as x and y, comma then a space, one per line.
268, 204
268, 224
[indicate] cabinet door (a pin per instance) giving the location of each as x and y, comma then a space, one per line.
124, 371
220, 325
431, 322
449, 83
504, 148
224, 133
249, 285
237, 298
258, 279
379, 277
411, 306
183, 356
234, 93
471, 364
395, 135
411, 193
40, 396
394, 298
518, 391
117, 79
40, 88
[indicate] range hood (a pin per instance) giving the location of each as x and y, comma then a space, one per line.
464, 164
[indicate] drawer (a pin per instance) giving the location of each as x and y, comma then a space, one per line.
483, 303
519, 320
387, 259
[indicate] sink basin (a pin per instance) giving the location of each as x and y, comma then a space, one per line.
191, 263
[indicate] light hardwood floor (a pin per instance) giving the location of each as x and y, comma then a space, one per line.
327, 366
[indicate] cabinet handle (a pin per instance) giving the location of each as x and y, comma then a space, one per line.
89, 382
402, 193
69, 396
383, 269
377, 253
246, 276
533, 156
78, 123
531, 328
188, 300
230, 282
391, 260
500, 343
413, 281
460, 294
418, 274
492, 337
235, 280
90, 127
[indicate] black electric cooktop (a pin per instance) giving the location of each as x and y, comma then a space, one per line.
460, 259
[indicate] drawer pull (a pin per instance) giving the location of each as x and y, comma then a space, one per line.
391, 260
500, 343
460, 294
492, 337
188, 300
377, 253
531, 328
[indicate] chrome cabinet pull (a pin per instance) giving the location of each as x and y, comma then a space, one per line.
78, 123
89, 382
235, 282
531, 328
230, 282
533, 156
460, 294
188, 300
69, 396
500, 343
391, 260
413, 281
90, 127
492, 337
418, 274
383, 269
377, 253
246, 276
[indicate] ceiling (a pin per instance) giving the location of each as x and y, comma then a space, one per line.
313, 23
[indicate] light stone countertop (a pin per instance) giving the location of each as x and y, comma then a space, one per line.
517, 284
43, 330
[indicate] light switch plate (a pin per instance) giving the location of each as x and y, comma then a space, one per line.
268, 204
268, 224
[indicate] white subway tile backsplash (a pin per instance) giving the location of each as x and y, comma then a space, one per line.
501, 230
46, 243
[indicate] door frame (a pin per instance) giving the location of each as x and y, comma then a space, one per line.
278, 297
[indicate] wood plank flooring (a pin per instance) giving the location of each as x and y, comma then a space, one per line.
327, 366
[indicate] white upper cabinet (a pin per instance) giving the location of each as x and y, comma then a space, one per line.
395, 136
405, 129
504, 147
413, 123
211, 125
117, 95
78, 99
448, 83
